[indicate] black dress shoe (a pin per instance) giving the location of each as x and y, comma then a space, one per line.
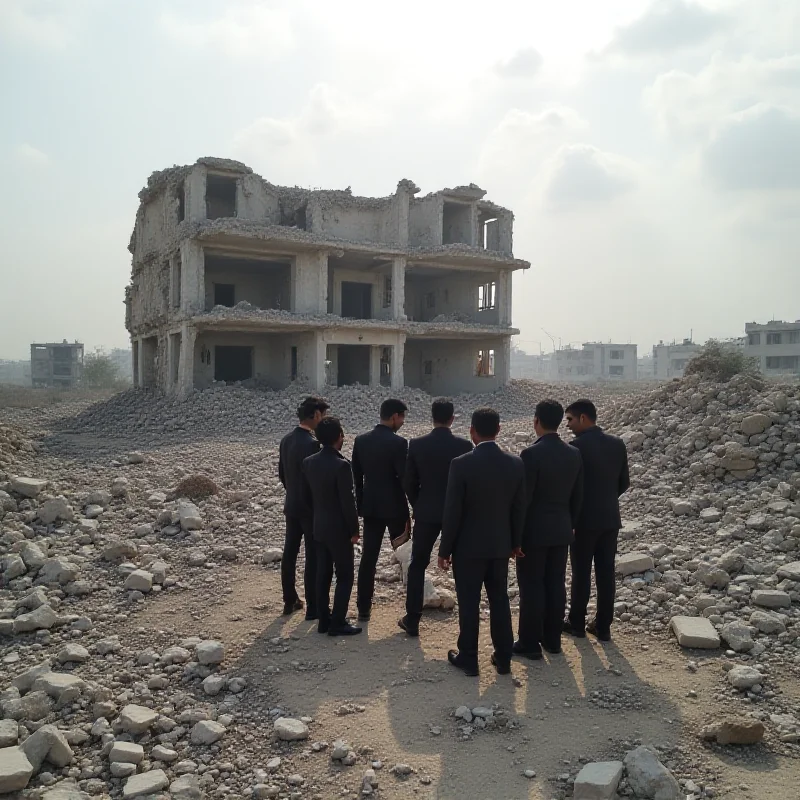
554, 650
502, 667
520, 650
409, 627
573, 630
290, 608
344, 630
323, 625
602, 635
454, 658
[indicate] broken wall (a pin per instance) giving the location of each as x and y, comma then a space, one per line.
270, 288
457, 292
425, 221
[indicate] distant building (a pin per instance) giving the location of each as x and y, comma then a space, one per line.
595, 361
670, 360
775, 345
57, 364
535, 366
645, 368
15, 373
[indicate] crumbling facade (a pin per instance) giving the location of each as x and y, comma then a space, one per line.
235, 279
57, 364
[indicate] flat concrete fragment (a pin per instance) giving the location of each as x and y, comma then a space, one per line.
137, 719
291, 730
9, 732
696, 632
28, 487
771, 598
54, 683
147, 783
634, 563
15, 770
598, 781
40, 619
126, 753
790, 572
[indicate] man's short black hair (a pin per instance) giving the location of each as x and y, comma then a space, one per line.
328, 431
486, 422
550, 414
391, 407
586, 407
442, 410
309, 406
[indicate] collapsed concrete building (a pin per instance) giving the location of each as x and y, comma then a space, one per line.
236, 279
56, 364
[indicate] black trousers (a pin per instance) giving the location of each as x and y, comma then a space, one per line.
422, 543
336, 556
374, 528
541, 576
470, 575
299, 529
600, 547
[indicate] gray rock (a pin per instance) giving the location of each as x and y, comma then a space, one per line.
187, 787
207, 732
161, 753
649, 778
291, 730
139, 580
72, 653
271, 555
137, 719
15, 770
768, 622
754, 424
28, 487
742, 677
695, 632
9, 732
57, 570
598, 781
147, 783
634, 563
66, 790
126, 753
771, 598
24, 681
47, 743
738, 637
34, 706
41, 618
189, 516
122, 769
210, 652
55, 683
56, 509
790, 572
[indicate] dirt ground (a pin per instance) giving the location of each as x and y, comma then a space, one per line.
406, 687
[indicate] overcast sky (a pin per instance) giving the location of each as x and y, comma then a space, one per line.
649, 150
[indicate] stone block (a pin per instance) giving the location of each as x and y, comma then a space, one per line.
634, 563
598, 781
150, 782
15, 770
695, 632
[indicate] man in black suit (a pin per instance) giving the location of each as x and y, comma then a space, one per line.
484, 512
605, 471
427, 468
554, 485
328, 487
294, 447
379, 462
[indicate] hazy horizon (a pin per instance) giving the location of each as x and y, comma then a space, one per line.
649, 150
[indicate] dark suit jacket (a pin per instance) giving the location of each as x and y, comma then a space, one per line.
294, 447
605, 478
427, 468
328, 490
554, 483
379, 463
484, 508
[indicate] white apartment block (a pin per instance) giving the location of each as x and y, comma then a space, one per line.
775, 345
670, 360
595, 361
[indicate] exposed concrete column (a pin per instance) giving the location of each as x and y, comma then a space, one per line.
375, 365
318, 356
398, 355
186, 364
503, 369
505, 224
504, 282
195, 188
139, 363
193, 277
399, 289
475, 234
310, 283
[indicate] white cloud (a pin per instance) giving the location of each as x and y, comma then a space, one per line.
243, 29
47, 25
30, 156
756, 149
525, 63
688, 105
580, 175
667, 26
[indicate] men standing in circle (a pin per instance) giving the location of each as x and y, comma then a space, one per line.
554, 483
379, 463
328, 487
605, 479
427, 468
294, 447
484, 512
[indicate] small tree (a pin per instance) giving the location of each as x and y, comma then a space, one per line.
720, 362
99, 372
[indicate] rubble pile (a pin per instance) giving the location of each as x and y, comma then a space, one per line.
157, 496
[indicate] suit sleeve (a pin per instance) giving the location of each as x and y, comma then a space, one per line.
400, 459
624, 475
347, 498
576, 498
519, 508
531, 474
281, 470
358, 476
411, 478
453, 510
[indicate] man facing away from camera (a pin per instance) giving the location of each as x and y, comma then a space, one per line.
379, 463
605, 480
294, 448
554, 485
484, 512
328, 487
427, 469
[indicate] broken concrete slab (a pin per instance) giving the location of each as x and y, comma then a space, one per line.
598, 781
695, 632
634, 563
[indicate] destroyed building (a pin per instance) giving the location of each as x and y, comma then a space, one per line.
56, 364
236, 279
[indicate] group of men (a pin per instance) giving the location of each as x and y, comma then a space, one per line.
553, 501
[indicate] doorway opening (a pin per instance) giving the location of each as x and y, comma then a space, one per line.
233, 364
353, 364
356, 300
